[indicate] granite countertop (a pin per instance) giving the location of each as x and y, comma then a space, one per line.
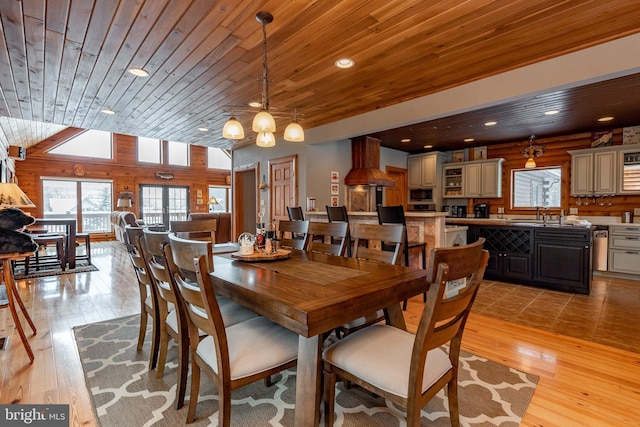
407, 214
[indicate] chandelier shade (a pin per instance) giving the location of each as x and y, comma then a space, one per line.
265, 140
264, 123
233, 129
531, 152
294, 132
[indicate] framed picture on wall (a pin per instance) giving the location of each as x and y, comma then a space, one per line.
458, 155
335, 189
480, 153
335, 201
335, 176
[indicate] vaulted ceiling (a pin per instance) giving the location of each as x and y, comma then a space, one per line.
64, 61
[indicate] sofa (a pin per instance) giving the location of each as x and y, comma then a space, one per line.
119, 219
223, 226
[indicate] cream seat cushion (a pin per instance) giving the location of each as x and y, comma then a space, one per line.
255, 345
381, 355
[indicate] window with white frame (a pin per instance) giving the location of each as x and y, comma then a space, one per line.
178, 153
218, 158
90, 202
149, 150
531, 188
90, 143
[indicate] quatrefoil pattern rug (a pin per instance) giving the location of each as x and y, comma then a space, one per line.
125, 392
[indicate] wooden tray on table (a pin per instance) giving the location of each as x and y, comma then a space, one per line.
261, 256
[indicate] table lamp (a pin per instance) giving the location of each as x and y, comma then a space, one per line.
11, 196
212, 203
124, 203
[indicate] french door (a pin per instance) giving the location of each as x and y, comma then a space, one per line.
163, 203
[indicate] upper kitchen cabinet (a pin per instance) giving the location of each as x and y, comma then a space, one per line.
594, 171
483, 178
424, 169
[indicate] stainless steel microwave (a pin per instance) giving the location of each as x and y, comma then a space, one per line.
421, 195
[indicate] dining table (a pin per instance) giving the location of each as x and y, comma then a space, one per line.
311, 294
70, 230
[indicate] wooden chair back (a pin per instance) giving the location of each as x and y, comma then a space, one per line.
329, 238
337, 213
204, 230
295, 213
183, 254
443, 319
153, 250
288, 230
364, 235
131, 234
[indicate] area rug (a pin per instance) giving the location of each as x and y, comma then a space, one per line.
124, 392
81, 267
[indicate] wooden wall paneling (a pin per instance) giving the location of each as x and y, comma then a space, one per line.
555, 155
125, 171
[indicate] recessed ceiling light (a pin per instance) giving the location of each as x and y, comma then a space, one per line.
469, 139
490, 123
428, 146
255, 104
551, 112
203, 129
107, 111
139, 72
345, 63
405, 140
605, 119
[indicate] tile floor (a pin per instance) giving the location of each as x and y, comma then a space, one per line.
610, 315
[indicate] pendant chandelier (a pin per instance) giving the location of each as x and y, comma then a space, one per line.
263, 123
531, 152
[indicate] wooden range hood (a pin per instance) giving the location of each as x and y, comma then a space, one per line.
365, 163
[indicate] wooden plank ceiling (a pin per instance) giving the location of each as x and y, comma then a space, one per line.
63, 61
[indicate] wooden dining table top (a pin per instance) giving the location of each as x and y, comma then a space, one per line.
312, 293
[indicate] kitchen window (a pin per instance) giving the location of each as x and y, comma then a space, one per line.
531, 188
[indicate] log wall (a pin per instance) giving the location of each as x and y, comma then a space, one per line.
124, 170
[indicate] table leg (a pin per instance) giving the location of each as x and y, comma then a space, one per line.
71, 246
394, 316
12, 292
308, 381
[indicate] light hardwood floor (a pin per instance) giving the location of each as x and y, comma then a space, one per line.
582, 383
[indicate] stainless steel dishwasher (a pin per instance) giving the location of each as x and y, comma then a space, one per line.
600, 247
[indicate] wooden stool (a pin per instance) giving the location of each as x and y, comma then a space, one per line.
44, 240
86, 239
13, 297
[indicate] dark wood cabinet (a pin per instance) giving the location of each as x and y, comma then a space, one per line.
550, 257
563, 259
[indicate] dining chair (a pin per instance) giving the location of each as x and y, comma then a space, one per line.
232, 356
395, 215
295, 213
410, 369
202, 229
171, 312
328, 238
339, 214
366, 247
163, 271
147, 293
287, 232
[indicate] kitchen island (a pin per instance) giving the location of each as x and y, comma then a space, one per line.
428, 227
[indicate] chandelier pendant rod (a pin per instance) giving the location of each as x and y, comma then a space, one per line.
264, 18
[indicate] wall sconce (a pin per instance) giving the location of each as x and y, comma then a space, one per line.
263, 185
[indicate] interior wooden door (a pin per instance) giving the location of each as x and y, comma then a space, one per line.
283, 185
396, 195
